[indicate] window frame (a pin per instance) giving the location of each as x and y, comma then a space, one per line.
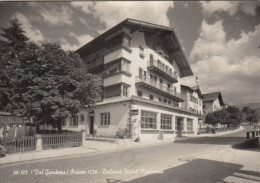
105, 119
148, 120
166, 122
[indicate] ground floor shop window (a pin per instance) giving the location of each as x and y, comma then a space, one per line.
105, 118
189, 125
166, 122
148, 120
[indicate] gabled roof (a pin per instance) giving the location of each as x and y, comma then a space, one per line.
193, 89
136, 25
213, 96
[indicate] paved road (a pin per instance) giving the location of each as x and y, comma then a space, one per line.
129, 164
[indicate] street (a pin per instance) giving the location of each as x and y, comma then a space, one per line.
181, 161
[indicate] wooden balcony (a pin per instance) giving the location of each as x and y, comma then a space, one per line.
162, 70
158, 88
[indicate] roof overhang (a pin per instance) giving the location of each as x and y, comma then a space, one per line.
135, 25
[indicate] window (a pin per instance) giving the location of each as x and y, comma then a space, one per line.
125, 66
169, 85
151, 57
160, 100
139, 93
125, 90
74, 121
82, 117
161, 81
116, 67
166, 122
112, 91
141, 51
64, 122
148, 120
119, 40
126, 42
169, 102
189, 125
105, 118
115, 43
165, 101
140, 71
155, 78
204, 106
151, 97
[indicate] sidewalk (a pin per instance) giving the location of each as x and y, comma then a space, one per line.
88, 148
95, 147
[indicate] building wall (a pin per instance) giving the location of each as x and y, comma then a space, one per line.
119, 117
187, 104
212, 105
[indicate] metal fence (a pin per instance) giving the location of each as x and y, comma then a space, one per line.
56, 141
23, 144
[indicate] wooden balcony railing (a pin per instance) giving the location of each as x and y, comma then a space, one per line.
158, 88
162, 70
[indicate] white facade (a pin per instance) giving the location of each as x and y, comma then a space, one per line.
142, 90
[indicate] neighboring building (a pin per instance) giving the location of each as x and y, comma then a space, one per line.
193, 99
212, 102
140, 65
7, 119
77, 122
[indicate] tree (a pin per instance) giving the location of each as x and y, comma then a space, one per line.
234, 116
12, 41
48, 84
251, 115
229, 116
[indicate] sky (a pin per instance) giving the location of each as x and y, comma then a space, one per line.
221, 39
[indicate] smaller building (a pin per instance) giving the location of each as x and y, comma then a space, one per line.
7, 119
193, 99
212, 102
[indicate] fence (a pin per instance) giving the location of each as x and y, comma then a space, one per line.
221, 129
56, 141
23, 144
253, 134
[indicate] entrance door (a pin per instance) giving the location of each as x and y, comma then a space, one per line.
91, 124
179, 121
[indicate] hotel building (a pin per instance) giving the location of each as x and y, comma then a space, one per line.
139, 66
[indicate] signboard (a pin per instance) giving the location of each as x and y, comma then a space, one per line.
134, 112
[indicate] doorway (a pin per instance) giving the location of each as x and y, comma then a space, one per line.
91, 124
180, 122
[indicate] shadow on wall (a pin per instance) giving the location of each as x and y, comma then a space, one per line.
197, 171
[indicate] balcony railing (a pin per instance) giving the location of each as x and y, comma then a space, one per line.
161, 69
158, 88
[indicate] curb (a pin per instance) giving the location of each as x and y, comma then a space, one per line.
96, 151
